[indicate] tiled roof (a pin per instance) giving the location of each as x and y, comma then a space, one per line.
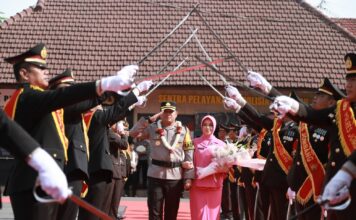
288, 41
348, 23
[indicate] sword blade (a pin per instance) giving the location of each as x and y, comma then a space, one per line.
168, 35
187, 69
207, 56
222, 42
211, 86
233, 80
165, 78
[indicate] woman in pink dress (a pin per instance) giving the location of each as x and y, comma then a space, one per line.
205, 194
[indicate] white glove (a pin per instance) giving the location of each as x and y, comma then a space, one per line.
144, 86
243, 132
141, 100
123, 80
290, 194
233, 93
50, 176
120, 128
337, 189
284, 104
232, 104
258, 81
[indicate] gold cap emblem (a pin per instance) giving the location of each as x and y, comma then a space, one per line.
168, 104
44, 53
348, 63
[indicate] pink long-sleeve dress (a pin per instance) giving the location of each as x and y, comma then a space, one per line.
205, 194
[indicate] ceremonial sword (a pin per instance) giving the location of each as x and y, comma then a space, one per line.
222, 42
322, 203
167, 36
80, 202
209, 64
208, 57
159, 83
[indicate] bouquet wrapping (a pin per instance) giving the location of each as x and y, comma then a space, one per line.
224, 157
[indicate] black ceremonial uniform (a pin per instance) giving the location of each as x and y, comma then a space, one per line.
76, 168
338, 155
39, 113
274, 176
100, 165
319, 141
264, 144
117, 146
14, 138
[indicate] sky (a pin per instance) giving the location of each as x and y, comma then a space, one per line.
333, 8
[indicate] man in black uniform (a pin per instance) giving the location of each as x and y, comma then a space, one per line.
118, 143
279, 160
21, 145
306, 175
340, 120
76, 168
39, 113
100, 166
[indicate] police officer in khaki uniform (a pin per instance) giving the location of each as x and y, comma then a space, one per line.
171, 150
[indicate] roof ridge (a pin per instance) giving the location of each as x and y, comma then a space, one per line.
19, 15
328, 20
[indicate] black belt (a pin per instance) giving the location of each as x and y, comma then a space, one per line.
166, 163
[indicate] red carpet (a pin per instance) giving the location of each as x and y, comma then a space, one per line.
137, 209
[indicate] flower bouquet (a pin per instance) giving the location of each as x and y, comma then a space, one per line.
224, 157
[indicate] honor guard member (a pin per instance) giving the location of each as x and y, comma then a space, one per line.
118, 139
22, 146
40, 113
100, 167
337, 190
234, 174
264, 144
306, 177
226, 207
279, 160
171, 148
76, 168
340, 121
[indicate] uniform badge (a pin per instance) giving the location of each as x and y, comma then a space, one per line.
158, 143
348, 63
44, 53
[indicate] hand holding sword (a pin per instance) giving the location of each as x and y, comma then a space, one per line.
81, 203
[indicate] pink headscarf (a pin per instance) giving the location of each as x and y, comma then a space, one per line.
214, 126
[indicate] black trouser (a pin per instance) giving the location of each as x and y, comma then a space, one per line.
161, 192
114, 190
262, 203
25, 207
69, 210
97, 188
226, 209
279, 202
234, 195
312, 214
142, 167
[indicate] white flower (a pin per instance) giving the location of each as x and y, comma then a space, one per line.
223, 157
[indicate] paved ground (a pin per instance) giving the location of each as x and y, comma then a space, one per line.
135, 209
